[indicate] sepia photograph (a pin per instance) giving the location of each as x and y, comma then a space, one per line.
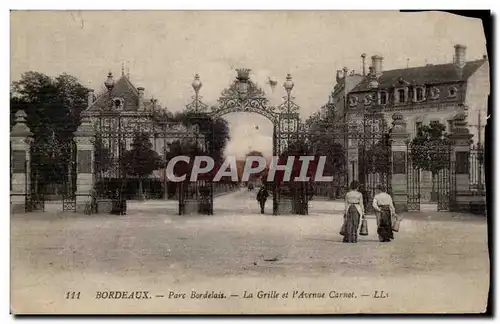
249, 162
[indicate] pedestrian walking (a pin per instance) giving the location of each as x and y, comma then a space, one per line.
353, 215
262, 196
386, 214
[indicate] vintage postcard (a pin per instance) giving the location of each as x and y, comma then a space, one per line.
248, 162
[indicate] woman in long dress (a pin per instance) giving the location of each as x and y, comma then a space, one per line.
354, 212
386, 214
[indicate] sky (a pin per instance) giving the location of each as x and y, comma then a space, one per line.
163, 50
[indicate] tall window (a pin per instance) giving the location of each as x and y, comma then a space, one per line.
418, 126
383, 97
419, 94
401, 95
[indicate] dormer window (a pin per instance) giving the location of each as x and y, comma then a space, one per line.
118, 103
383, 97
452, 92
434, 93
419, 94
400, 96
353, 101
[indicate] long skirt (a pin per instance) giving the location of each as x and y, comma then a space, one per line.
384, 230
351, 225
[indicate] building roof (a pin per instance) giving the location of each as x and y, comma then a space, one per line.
122, 86
429, 74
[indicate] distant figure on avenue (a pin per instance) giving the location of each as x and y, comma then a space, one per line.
386, 214
262, 196
354, 212
93, 201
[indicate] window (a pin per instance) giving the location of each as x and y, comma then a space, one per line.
118, 103
452, 92
353, 101
418, 126
383, 97
434, 93
419, 94
401, 95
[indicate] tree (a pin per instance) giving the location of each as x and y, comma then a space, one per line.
182, 148
141, 160
216, 131
377, 156
327, 135
255, 176
430, 150
296, 149
53, 107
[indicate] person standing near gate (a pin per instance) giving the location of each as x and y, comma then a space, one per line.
262, 196
386, 214
354, 213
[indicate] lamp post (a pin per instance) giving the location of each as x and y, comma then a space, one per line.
196, 87
288, 85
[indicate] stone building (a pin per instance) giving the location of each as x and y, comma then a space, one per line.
421, 94
136, 114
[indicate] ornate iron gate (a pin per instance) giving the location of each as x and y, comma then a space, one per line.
35, 200
115, 132
445, 179
413, 184
69, 194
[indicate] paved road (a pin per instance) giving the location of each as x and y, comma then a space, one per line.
436, 264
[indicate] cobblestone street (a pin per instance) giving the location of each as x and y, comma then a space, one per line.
435, 258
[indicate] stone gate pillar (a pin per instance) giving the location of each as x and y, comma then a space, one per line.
460, 164
399, 149
84, 163
20, 140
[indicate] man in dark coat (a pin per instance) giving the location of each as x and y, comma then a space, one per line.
262, 196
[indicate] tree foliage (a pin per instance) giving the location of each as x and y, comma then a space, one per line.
430, 149
216, 131
141, 160
327, 138
53, 107
377, 155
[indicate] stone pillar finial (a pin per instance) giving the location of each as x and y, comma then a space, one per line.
85, 129
398, 123
20, 129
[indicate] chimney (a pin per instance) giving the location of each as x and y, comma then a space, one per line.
141, 98
90, 98
345, 71
363, 63
377, 65
459, 58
